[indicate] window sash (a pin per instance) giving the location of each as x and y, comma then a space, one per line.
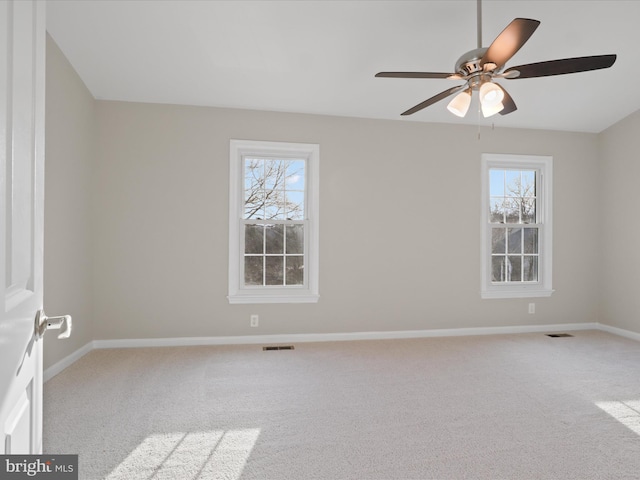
264, 254
536, 197
282, 186
520, 252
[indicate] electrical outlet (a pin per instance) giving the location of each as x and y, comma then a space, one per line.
532, 308
254, 320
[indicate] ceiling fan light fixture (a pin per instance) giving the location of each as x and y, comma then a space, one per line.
490, 94
489, 110
460, 104
480, 66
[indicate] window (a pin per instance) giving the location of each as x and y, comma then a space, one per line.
516, 226
273, 222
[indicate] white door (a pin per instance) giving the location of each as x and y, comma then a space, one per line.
22, 64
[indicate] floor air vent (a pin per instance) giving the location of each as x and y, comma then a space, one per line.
556, 335
280, 347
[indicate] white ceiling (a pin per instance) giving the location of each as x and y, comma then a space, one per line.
321, 56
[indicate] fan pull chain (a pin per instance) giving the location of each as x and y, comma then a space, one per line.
478, 122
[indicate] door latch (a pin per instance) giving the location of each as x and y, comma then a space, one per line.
44, 323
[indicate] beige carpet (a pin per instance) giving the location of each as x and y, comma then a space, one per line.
487, 407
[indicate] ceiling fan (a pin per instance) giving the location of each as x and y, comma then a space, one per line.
479, 68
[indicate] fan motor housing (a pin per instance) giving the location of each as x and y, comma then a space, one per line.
469, 63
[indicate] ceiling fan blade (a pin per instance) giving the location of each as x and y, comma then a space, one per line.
510, 40
507, 101
563, 66
415, 75
434, 99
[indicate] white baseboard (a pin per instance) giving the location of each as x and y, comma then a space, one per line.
327, 337
619, 331
67, 361
336, 337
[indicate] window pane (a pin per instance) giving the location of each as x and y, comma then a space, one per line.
274, 240
253, 270
253, 203
498, 241
531, 240
529, 183
295, 239
294, 203
529, 268
274, 273
497, 210
274, 208
514, 268
498, 271
513, 183
253, 174
295, 175
529, 210
253, 188
264, 188
295, 270
274, 174
253, 238
496, 183
514, 240
512, 210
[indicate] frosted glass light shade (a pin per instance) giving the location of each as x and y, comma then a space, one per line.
488, 110
490, 94
460, 104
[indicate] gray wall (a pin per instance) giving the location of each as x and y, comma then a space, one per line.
70, 153
146, 207
620, 255
399, 220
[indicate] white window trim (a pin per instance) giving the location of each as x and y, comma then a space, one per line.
542, 288
238, 293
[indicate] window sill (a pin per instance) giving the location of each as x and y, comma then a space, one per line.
245, 298
516, 293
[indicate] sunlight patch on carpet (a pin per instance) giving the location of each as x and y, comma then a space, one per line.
216, 454
627, 413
